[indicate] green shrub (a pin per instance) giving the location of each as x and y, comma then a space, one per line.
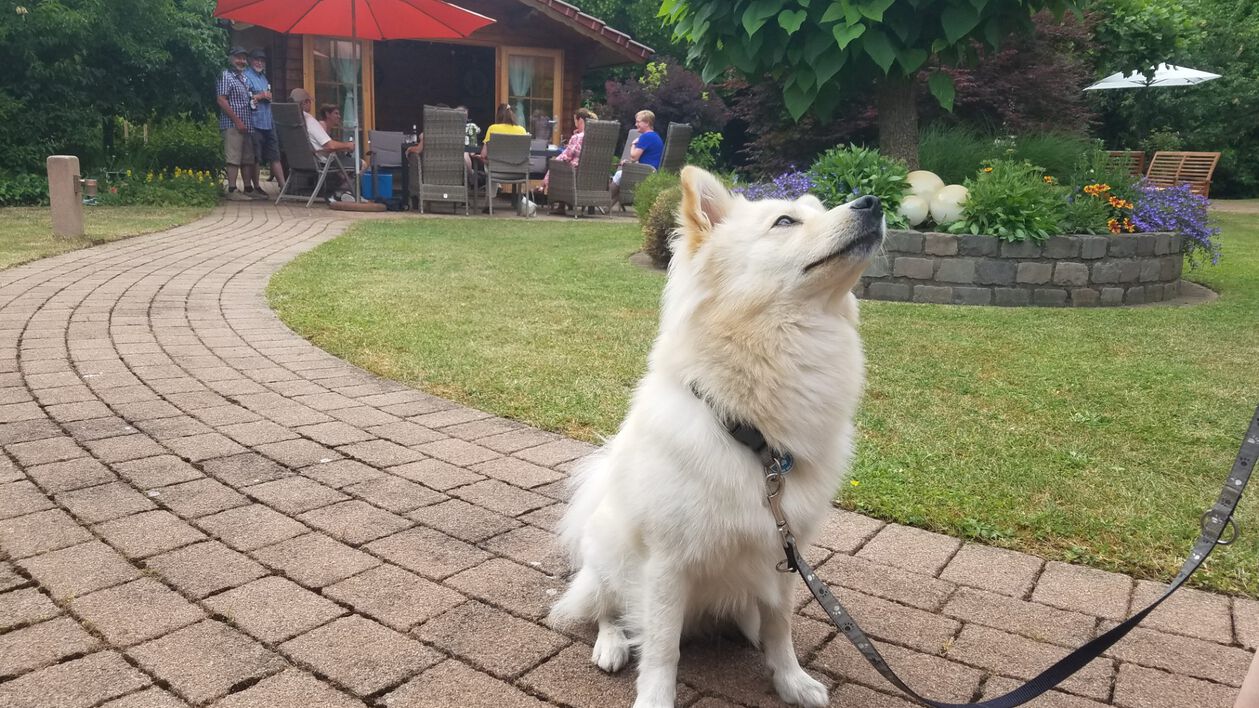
704, 150
1012, 201
1086, 214
178, 188
1095, 166
23, 190
842, 174
658, 227
952, 152
183, 142
1057, 154
646, 192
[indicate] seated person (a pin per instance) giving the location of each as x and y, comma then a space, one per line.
320, 142
647, 149
505, 123
572, 150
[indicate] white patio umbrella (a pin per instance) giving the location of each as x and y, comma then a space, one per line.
1164, 75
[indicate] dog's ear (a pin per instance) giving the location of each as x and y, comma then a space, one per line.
705, 202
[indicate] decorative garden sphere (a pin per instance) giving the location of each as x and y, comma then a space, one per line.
946, 207
914, 208
923, 183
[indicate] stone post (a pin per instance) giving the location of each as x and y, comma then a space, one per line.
64, 198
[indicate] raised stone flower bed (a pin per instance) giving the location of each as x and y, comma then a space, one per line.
1066, 271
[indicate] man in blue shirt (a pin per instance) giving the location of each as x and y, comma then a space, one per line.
647, 149
266, 146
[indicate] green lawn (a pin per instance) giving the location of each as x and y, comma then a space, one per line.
26, 232
1096, 436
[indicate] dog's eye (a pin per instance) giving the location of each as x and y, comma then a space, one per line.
785, 220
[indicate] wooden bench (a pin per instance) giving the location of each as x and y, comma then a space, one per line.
1169, 169
1131, 160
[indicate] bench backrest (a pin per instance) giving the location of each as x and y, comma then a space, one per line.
1132, 161
1168, 169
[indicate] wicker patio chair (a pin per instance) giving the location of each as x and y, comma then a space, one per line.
439, 174
587, 185
506, 162
674, 157
303, 164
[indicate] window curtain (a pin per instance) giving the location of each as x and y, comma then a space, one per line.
520, 77
346, 69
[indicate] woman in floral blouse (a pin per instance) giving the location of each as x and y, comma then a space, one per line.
572, 150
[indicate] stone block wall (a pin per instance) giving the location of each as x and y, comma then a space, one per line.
1064, 271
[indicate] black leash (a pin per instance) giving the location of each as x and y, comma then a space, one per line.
1214, 522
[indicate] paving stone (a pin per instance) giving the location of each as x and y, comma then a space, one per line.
1086, 590
364, 417
1190, 612
360, 655
258, 432
149, 533
16, 412
521, 590
993, 569
491, 639
341, 473
892, 622
148, 698
26, 606
124, 447
1246, 622
395, 494
273, 609
381, 453
160, 471
394, 597
355, 522
502, 498
1182, 655
940, 678
40, 532
293, 495
453, 683
180, 659
80, 569
245, 470
44, 451
482, 428
292, 688
517, 440
199, 497
21, 498
532, 547
80, 683
553, 453
570, 678
9, 472
458, 452
326, 401
732, 669
104, 502
226, 415
1023, 658
448, 417
885, 581
852, 694
174, 427
913, 549
8, 578
298, 453
845, 532
517, 472
546, 518
406, 433
436, 474
999, 686
22, 431
1030, 619
204, 446
205, 568
146, 410
137, 611
334, 433
42, 644
314, 560
429, 553
250, 527
1139, 687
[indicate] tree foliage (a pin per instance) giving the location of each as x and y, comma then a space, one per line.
71, 63
670, 91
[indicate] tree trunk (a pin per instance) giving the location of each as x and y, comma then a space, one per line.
898, 119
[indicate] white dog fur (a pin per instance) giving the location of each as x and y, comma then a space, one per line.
668, 524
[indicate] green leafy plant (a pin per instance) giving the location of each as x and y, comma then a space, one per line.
1013, 201
704, 150
647, 191
658, 227
178, 188
1056, 154
952, 152
23, 190
191, 144
843, 174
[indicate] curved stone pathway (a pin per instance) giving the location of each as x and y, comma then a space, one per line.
199, 508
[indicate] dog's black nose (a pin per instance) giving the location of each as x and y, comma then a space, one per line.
867, 202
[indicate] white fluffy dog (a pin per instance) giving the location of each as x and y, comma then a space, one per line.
669, 523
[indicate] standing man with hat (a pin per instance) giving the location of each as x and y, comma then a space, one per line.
236, 121
266, 146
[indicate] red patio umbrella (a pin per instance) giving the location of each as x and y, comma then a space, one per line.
358, 20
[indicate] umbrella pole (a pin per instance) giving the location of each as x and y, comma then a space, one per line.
358, 98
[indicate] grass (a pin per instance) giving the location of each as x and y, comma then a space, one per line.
26, 232
1093, 436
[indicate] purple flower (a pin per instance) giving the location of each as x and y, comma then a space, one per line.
1178, 210
788, 185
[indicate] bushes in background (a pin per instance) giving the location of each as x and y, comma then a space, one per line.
659, 224
180, 187
191, 144
23, 190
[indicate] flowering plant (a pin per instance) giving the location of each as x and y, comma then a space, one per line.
1013, 201
791, 184
180, 187
1179, 210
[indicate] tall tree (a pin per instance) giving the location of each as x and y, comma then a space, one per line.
818, 50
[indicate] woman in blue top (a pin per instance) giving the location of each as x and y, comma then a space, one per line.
647, 149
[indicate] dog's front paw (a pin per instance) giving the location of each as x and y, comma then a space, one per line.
800, 689
612, 650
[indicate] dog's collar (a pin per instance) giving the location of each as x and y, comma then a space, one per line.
750, 437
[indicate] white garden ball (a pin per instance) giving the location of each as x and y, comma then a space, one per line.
914, 208
946, 206
923, 183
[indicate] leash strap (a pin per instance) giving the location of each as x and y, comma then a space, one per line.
1214, 523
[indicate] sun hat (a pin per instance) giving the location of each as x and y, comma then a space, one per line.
236, 50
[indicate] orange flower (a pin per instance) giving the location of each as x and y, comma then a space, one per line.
987, 169
1128, 225
1049, 180
1113, 225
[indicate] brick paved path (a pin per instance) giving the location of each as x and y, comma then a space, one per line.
199, 508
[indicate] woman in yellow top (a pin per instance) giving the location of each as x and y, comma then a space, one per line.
505, 123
